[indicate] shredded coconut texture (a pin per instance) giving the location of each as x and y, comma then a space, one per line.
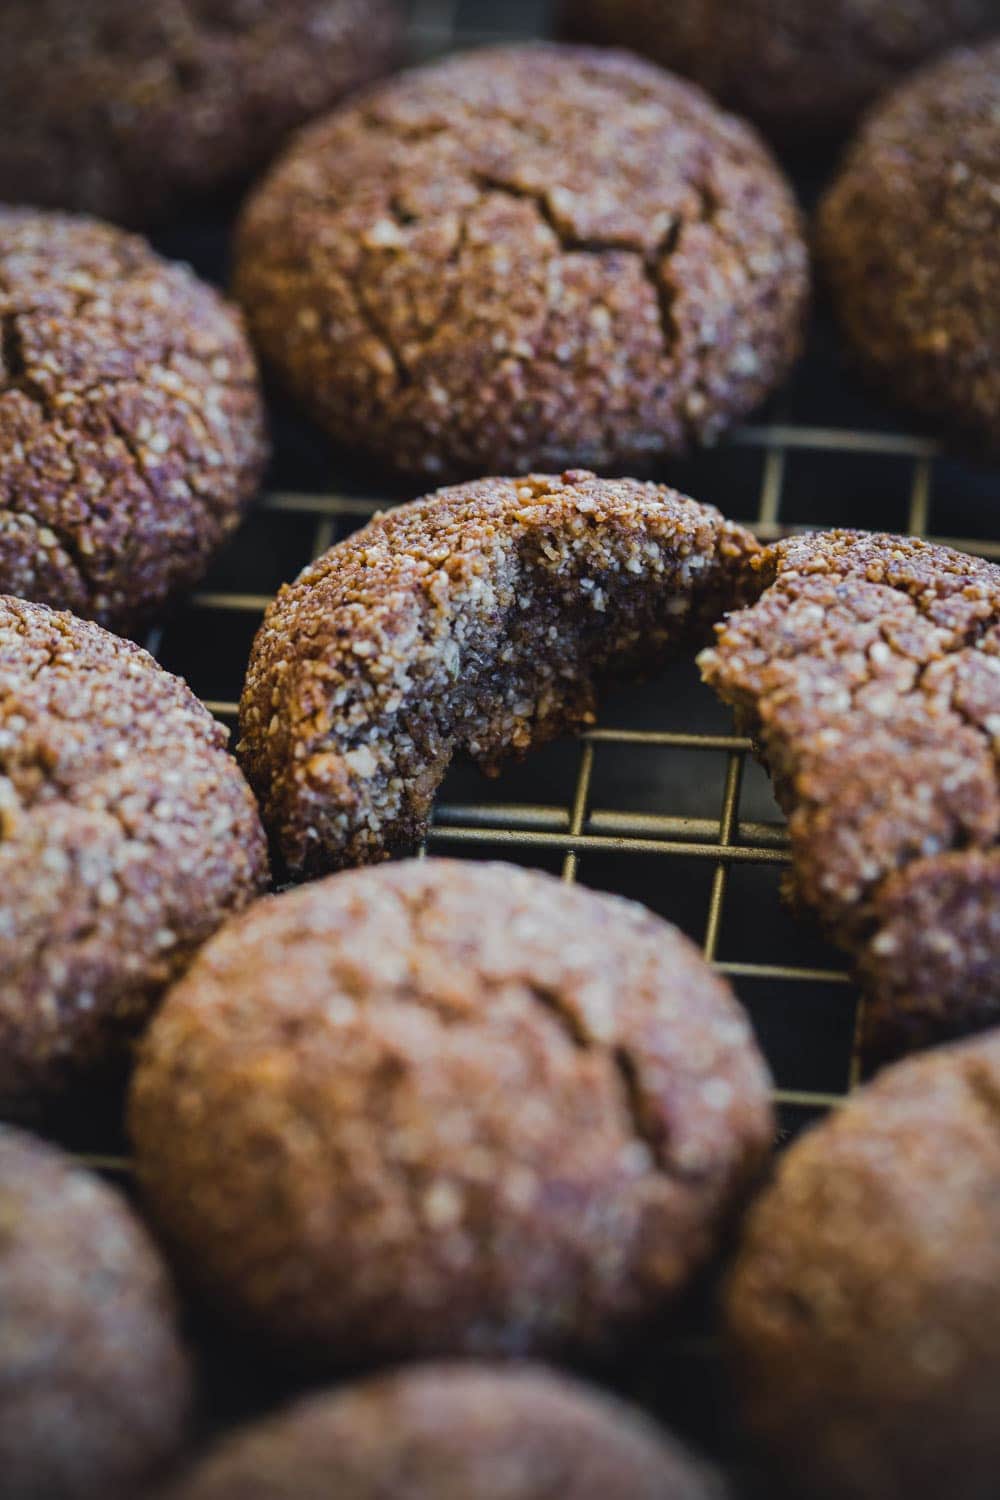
479, 619
526, 258
443, 1107
869, 671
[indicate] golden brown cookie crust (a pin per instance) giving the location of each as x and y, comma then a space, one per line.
95, 1385
908, 237
458, 1431
140, 112
869, 671
443, 1107
131, 421
479, 619
524, 258
863, 1313
127, 835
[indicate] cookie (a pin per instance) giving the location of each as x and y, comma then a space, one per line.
802, 71
869, 672
453, 1432
131, 421
520, 258
907, 236
127, 835
863, 1311
95, 1386
442, 1108
479, 619
140, 113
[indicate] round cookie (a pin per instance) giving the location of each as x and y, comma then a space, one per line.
140, 112
525, 258
131, 422
802, 70
441, 1107
127, 835
907, 235
864, 1307
480, 619
95, 1386
453, 1432
869, 672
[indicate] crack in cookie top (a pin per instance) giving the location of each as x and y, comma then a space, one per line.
870, 671
444, 1106
131, 420
525, 258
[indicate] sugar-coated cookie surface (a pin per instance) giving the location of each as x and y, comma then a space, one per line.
869, 670
803, 70
863, 1310
144, 112
131, 420
455, 1431
444, 1107
521, 258
907, 235
127, 834
95, 1385
480, 619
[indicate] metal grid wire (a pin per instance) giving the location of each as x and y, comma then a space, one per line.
660, 801
786, 472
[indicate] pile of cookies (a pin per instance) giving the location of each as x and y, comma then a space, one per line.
411, 1128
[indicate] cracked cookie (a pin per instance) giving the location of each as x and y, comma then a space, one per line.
802, 70
127, 834
455, 1431
95, 1386
863, 1310
525, 258
907, 236
446, 1108
139, 112
131, 421
479, 619
869, 672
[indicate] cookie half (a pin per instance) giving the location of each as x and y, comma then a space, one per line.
869, 672
481, 619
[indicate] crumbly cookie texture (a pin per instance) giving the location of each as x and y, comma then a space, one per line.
908, 237
131, 422
479, 619
458, 1431
863, 1310
803, 71
441, 1108
127, 835
526, 258
142, 112
95, 1386
869, 670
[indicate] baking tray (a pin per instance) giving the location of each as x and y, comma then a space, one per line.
661, 801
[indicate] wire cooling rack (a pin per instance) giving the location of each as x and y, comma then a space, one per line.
661, 801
